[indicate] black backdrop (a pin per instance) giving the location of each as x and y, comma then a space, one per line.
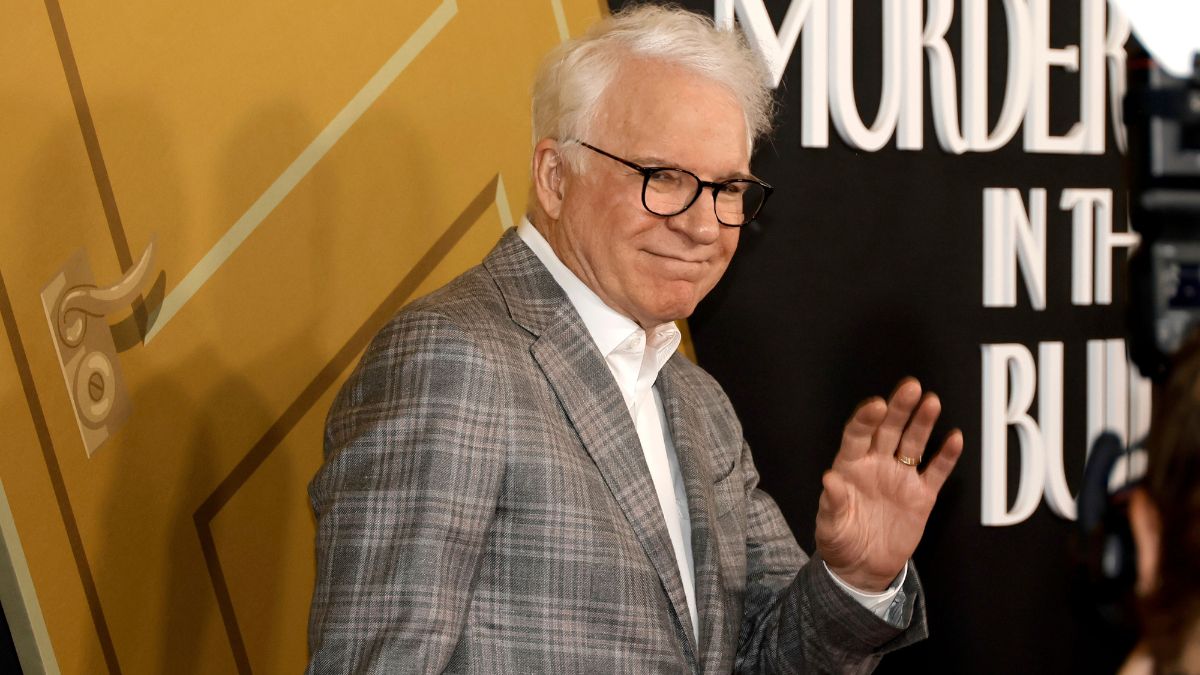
868, 267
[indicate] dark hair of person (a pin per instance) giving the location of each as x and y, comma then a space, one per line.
1171, 612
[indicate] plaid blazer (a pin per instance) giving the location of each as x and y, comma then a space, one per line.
485, 507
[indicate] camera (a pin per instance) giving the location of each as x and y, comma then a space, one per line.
1162, 114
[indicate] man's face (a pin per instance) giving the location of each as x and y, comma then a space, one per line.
650, 268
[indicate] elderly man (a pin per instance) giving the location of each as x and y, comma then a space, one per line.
523, 475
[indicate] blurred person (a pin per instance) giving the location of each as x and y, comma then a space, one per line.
1164, 517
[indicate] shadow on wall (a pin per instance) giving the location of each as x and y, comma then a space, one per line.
187, 610
63, 203
292, 281
165, 609
239, 575
175, 451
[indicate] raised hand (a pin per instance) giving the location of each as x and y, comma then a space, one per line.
875, 503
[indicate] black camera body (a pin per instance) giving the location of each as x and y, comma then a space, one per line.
1162, 116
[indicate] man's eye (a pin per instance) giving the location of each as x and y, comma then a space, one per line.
734, 189
664, 177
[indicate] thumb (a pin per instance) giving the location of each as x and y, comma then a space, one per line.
835, 498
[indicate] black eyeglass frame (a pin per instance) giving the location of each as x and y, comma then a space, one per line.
717, 187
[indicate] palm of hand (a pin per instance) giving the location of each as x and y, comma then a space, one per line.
874, 508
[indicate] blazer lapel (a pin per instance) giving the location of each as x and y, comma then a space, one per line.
587, 392
694, 454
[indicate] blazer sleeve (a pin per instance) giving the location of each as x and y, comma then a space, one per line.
414, 459
802, 622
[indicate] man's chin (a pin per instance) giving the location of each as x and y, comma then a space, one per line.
666, 312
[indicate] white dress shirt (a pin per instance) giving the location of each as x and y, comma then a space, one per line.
635, 359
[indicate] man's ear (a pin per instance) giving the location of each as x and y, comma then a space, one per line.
549, 172
1146, 525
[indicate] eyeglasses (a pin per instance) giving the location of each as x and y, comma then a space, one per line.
669, 191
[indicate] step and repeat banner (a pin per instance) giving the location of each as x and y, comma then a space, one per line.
206, 211
947, 206
276, 179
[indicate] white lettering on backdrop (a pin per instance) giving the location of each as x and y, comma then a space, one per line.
1014, 233
1118, 400
915, 31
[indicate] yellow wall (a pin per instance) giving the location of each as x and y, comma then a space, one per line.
303, 169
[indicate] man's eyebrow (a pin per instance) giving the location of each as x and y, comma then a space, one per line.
738, 175
653, 161
658, 162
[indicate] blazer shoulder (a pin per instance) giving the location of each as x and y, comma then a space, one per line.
470, 308
472, 301
451, 337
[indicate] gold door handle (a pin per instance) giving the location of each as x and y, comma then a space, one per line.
83, 301
76, 309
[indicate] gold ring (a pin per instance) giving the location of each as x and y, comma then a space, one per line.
908, 461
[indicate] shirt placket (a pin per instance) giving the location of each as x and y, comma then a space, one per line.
664, 466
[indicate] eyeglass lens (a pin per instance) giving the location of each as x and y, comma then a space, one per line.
669, 191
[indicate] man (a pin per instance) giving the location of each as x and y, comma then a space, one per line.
523, 476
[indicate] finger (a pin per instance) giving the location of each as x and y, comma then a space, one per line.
899, 410
856, 437
916, 436
940, 466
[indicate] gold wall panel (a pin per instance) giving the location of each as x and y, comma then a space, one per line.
303, 170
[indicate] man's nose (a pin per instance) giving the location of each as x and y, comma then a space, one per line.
699, 222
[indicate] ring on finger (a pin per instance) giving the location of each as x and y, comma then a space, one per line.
907, 461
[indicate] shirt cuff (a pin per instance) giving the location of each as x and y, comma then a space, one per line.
878, 603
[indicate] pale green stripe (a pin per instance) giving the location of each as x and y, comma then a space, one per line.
299, 168
560, 18
25, 620
506, 219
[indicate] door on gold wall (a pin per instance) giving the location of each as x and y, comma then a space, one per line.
206, 211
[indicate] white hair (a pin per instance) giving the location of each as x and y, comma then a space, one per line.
574, 75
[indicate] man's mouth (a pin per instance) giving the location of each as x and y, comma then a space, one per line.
678, 258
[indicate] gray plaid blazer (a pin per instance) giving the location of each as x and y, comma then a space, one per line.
485, 507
